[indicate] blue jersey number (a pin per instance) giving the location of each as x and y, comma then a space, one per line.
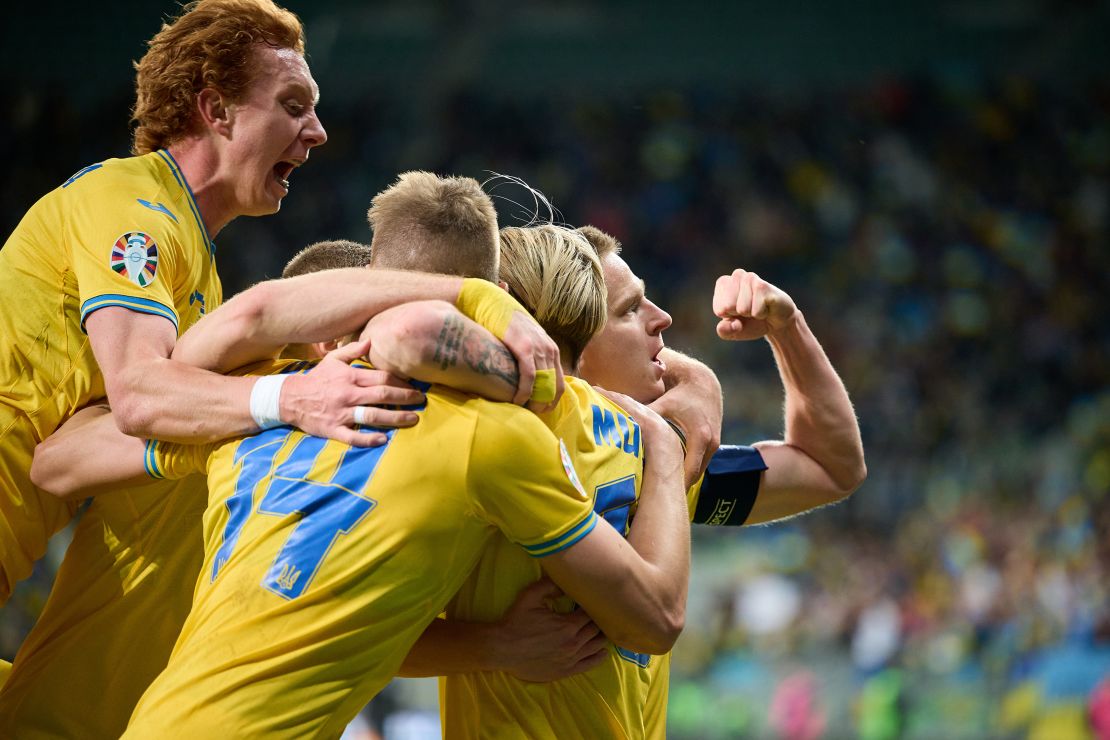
613, 503
327, 509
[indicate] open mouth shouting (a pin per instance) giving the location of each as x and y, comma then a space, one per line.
282, 172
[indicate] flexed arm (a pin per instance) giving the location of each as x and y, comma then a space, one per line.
820, 459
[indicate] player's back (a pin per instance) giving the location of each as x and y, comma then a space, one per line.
606, 701
324, 563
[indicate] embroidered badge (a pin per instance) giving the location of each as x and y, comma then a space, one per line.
135, 256
568, 467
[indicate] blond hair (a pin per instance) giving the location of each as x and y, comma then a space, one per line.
604, 244
327, 255
210, 45
435, 224
556, 274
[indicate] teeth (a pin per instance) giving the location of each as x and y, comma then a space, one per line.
285, 183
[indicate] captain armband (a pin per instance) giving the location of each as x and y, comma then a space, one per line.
730, 486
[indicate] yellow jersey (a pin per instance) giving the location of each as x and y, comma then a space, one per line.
124, 232
324, 563
625, 696
724, 496
606, 701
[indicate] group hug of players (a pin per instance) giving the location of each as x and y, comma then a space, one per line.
397, 459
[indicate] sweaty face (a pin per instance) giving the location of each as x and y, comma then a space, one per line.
272, 130
623, 355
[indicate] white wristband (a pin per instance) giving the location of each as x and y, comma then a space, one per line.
266, 401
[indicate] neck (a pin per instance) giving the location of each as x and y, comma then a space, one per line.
199, 165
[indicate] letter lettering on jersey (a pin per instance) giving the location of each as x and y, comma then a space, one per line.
605, 425
631, 435
606, 431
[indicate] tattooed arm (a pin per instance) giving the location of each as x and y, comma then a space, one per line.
433, 342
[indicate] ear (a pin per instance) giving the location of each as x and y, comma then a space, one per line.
504, 286
214, 112
319, 349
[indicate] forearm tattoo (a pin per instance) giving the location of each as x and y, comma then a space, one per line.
483, 355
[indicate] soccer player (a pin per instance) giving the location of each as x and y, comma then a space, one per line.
820, 459
492, 648
97, 283
296, 624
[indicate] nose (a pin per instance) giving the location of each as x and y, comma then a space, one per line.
313, 134
658, 319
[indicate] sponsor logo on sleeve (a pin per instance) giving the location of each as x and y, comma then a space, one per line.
135, 256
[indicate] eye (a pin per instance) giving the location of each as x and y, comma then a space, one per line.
294, 108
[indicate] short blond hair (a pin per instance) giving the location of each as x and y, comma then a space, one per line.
556, 274
212, 44
327, 255
604, 244
435, 224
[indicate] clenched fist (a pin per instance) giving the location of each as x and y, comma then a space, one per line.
750, 307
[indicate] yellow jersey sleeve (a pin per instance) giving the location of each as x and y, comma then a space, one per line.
172, 461
125, 251
521, 479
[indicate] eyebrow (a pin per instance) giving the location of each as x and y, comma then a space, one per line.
633, 297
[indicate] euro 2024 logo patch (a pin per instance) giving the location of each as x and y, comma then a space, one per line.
568, 468
135, 256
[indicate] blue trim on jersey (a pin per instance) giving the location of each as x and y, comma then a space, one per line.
139, 305
565, 540
178, 175
641, 659
150, 460
81, 172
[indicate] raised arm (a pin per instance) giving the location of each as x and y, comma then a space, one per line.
635, 589
693, 402
820, 458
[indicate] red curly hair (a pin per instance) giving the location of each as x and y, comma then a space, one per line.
210, 45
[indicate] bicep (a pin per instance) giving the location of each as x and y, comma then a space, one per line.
123, 340
792, 484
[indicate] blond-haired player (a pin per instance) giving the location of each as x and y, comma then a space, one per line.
347, 607
496, 648
124, 250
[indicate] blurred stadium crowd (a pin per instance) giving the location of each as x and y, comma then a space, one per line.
947, 239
